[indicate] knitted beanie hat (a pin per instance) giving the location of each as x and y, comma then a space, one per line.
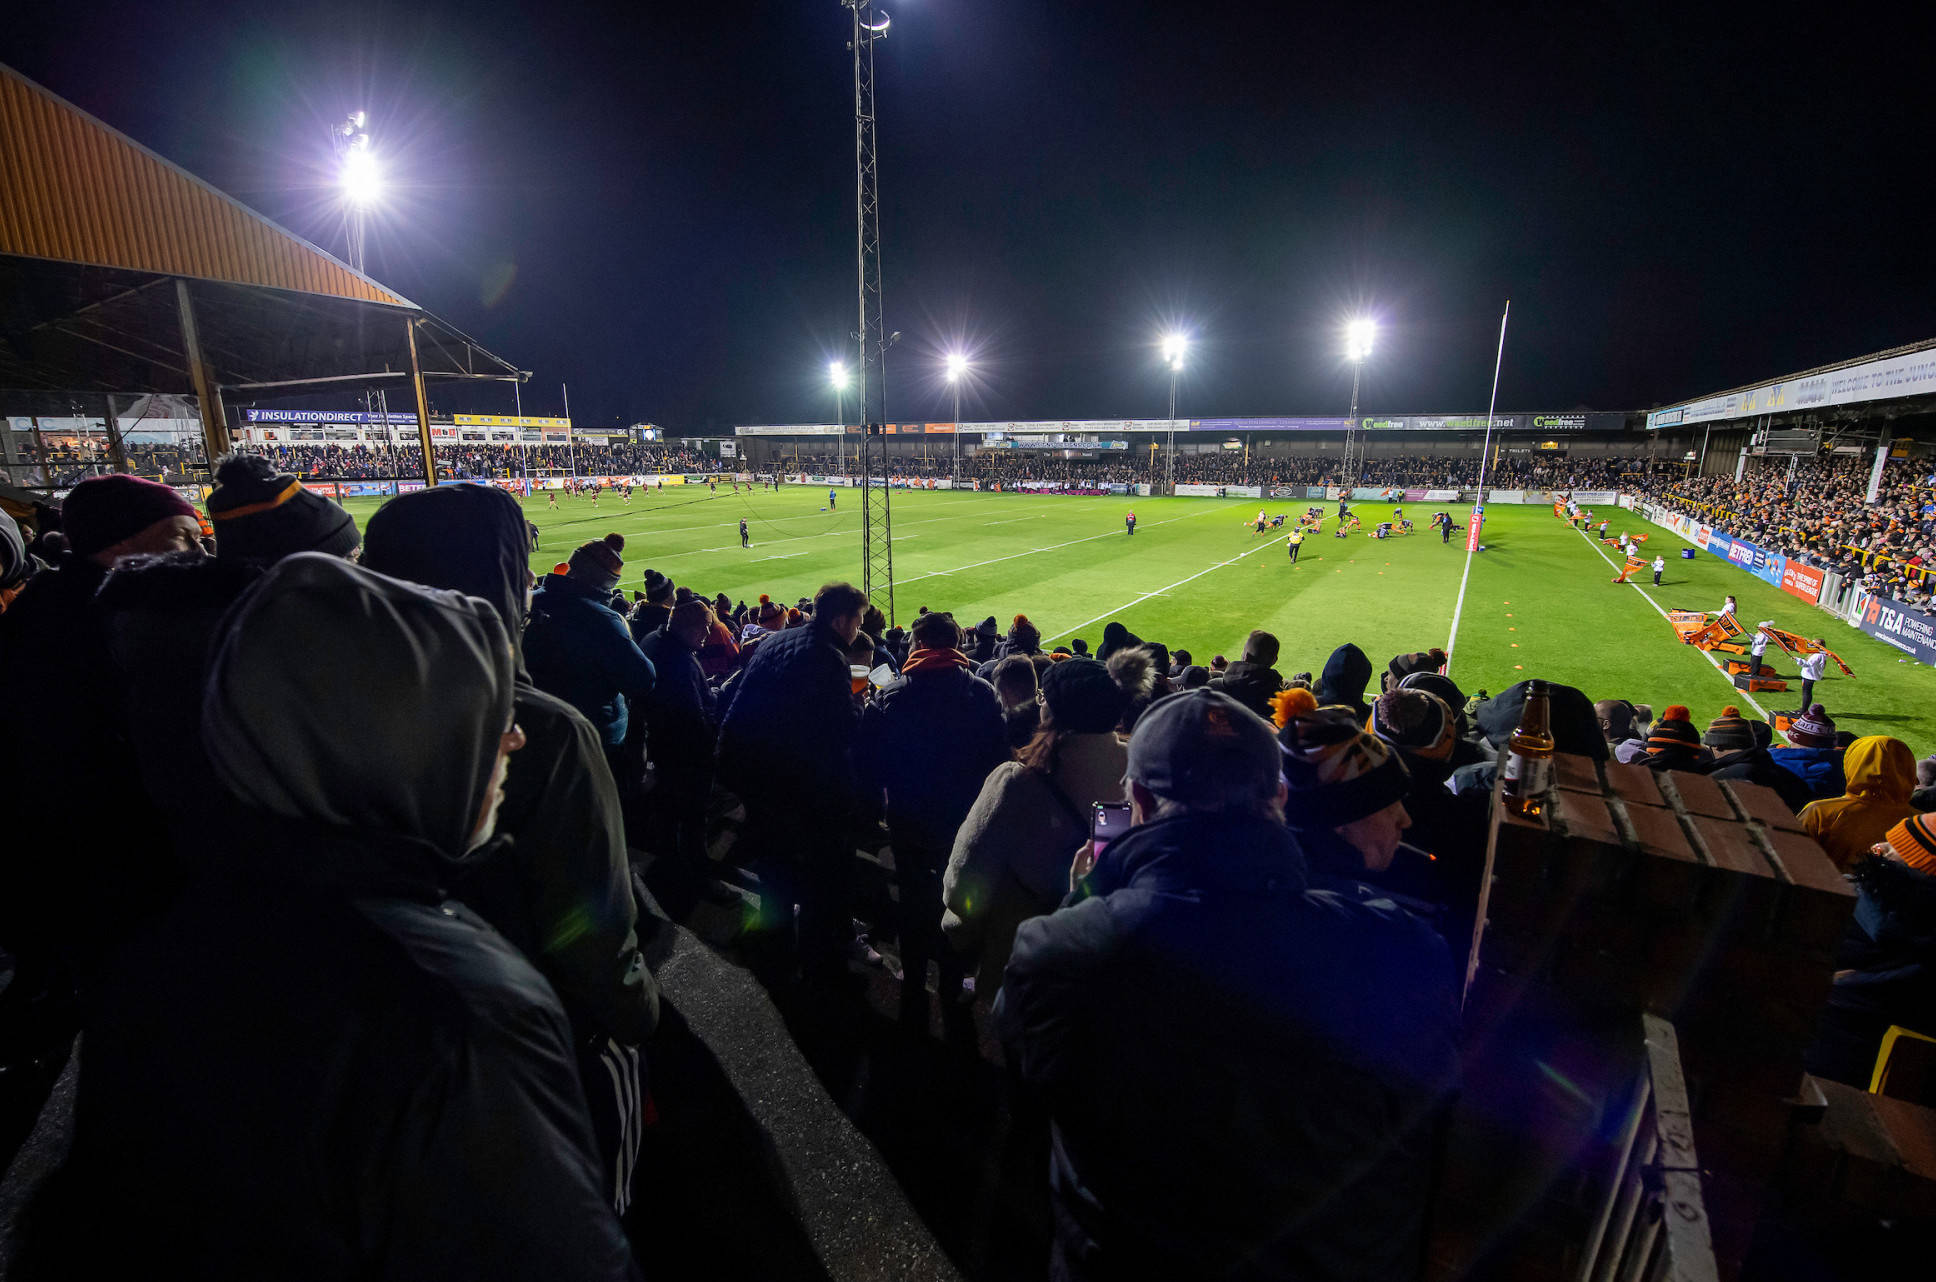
1729, 732
1813, 729
1416, 722
1674, 732
261, 515
1336, 772
103, 510
1404, 665
1914, 841
1082, 697
1023, 633
598, 563
770, 613
657, 587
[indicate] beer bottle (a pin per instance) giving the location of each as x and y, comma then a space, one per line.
1528, 772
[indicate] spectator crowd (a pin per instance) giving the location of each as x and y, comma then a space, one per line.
1817, 513
348, 851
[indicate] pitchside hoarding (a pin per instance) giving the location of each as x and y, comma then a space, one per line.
1895, 624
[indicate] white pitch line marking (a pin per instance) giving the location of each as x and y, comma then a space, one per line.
1129, 605
1716, 663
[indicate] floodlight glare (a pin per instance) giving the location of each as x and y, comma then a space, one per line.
1174, 345
1357, 339
361, 179
837, 375
957, 366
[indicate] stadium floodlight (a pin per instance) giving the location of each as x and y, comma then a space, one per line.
1174, 346
1357, 338
361, 178
957, 366
837, 375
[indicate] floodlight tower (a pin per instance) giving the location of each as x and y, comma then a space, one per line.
1174, 347
358, 177
957, 367
876, 525
1357, 346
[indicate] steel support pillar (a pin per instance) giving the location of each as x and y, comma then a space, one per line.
423, 404
208, 395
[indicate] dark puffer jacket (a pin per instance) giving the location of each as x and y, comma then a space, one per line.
1244, 1074
578, 648
928, 740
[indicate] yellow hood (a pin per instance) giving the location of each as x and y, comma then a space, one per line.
1880, 767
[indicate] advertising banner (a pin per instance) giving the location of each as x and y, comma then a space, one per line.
1291, 492
1764, 565
1804, 581
1472, 528
1416, 496
328, 489
364, 489
1893, 623
502, 420
729, 449
1142, 490
1437, 496
1116, 487
1367, 492
1269, 424
1190, 489
1896, 376
1590, 497
1316, 492
1506, 496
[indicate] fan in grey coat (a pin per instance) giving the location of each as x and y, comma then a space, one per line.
1011, 857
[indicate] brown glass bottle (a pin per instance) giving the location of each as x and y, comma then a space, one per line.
1528, 772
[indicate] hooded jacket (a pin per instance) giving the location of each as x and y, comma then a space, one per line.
927, 740
1881, 774
1243, 1074
1346, 674
562, 891
381, 1048
1116, 637
578, 648
1251, 684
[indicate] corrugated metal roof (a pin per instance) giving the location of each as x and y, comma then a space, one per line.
74, 190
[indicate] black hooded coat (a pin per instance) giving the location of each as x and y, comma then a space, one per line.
324, 1067
1346, 674
562, 891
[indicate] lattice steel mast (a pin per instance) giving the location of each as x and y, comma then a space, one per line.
876, 524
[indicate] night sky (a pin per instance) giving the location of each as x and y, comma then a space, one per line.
654, 202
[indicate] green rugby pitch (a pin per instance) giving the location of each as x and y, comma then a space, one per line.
1195, 576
